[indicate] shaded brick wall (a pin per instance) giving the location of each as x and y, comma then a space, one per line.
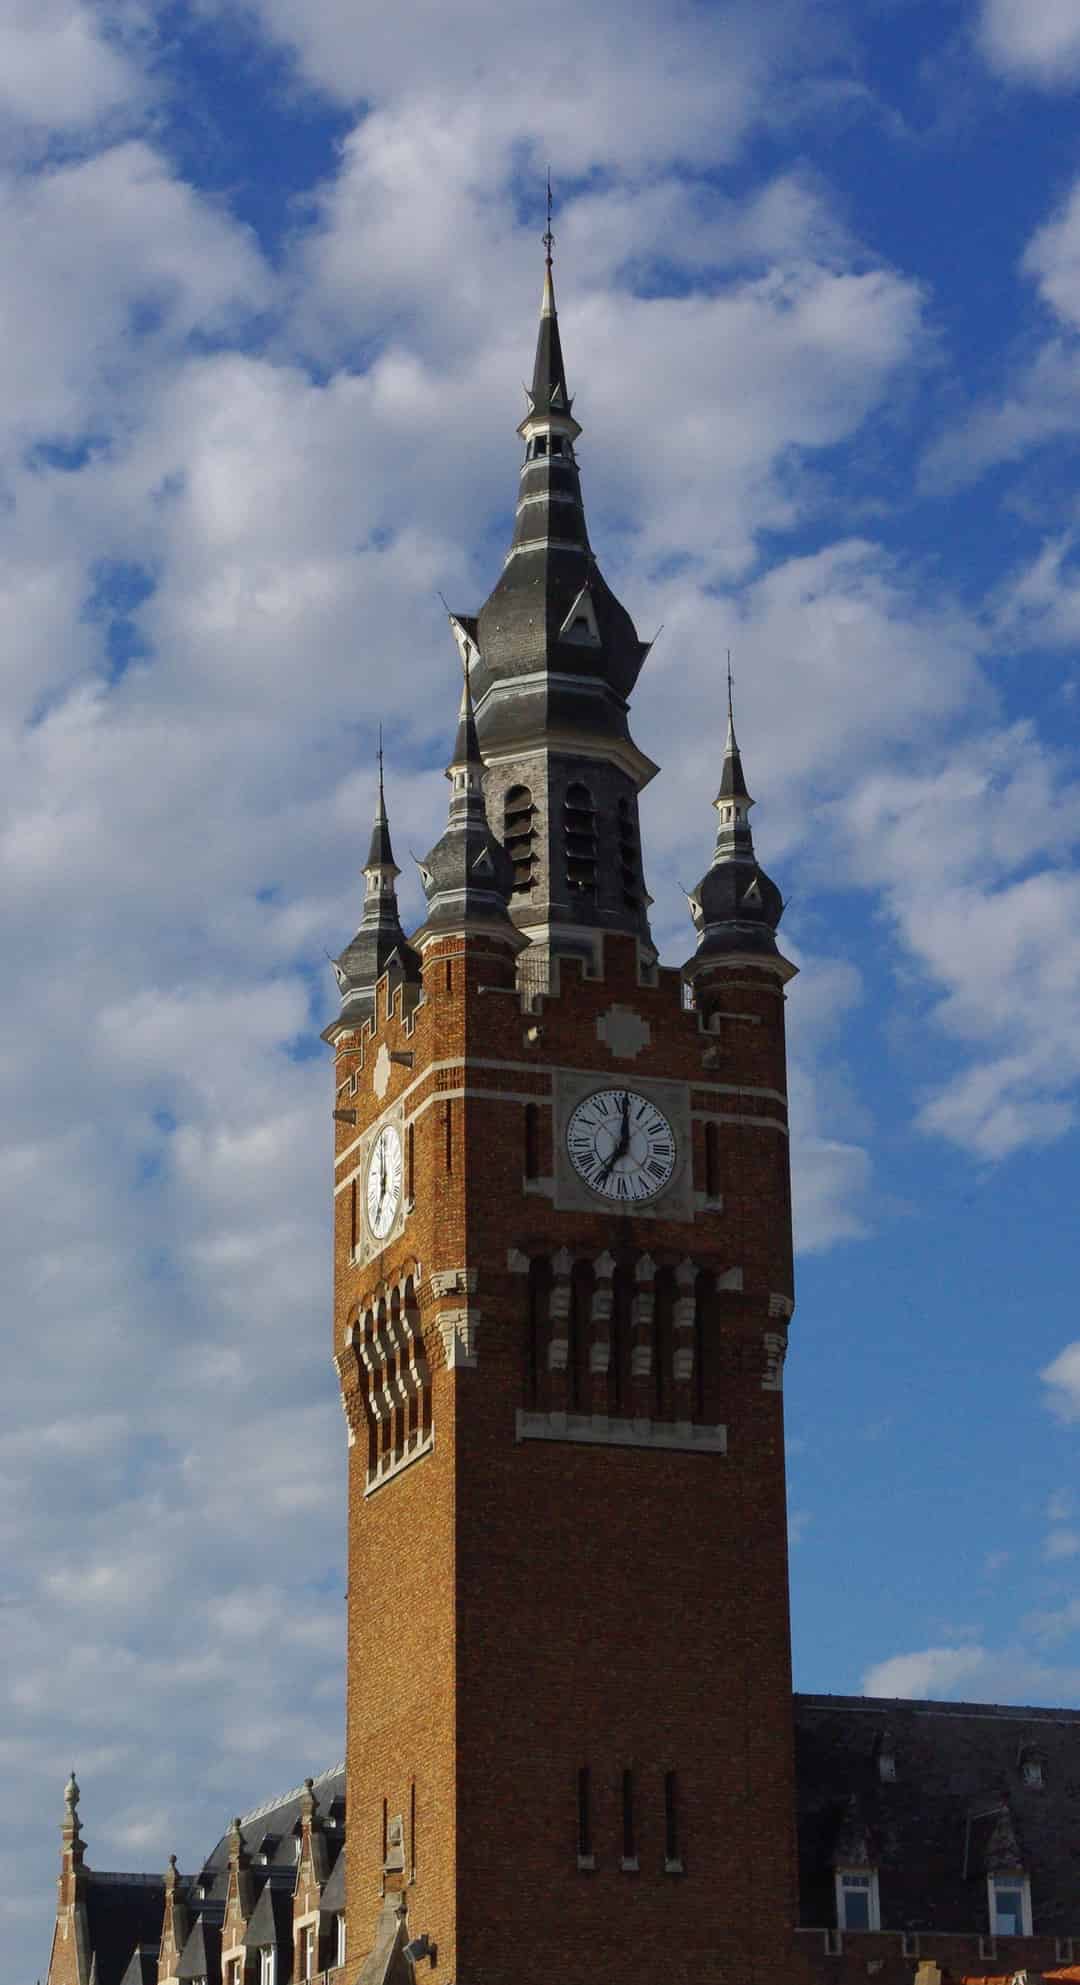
520, 1609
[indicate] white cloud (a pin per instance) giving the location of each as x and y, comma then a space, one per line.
1035, 41
972, 1674
1052, 256
1062, 1379
932, 1671
60, 67
602, 85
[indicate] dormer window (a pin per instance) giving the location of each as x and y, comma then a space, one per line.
857, 1899
268, 1965
1033, 1773
1010, 1905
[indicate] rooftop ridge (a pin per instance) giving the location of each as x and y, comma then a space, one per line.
271, 1805
110, 1875
926, 1706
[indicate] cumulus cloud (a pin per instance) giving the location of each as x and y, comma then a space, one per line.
1062, 1380
65, 66
1033, 41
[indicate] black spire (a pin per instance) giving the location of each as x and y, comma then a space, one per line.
380, 853
379, 945
549, 392
736, 907
468, 875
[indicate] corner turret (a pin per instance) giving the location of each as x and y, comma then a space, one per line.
467, 876
380, 944
736, 907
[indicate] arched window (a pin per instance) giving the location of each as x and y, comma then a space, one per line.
579, 837
519, 837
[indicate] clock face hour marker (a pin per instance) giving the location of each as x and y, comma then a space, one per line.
622, 1145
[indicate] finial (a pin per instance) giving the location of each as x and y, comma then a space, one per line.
72, 1794
549, 238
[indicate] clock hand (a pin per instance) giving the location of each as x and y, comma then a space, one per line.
623, 1145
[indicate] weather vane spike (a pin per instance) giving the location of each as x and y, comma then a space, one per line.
730, 681
549, 238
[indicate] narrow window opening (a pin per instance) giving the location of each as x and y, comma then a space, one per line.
585, 1858
712, 1160
412, 1831
672, 1844
385, 1831
540, 444
536, 1327
519, 837
629, 857
354, 1222
448, 1129
663, 1344
340, 1949
580, 1327
410, 1158
449, 975
629, 1845
532, 1141
580, 840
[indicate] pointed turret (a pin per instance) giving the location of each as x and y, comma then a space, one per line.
467, 876
736, 907
553, 658
380, 944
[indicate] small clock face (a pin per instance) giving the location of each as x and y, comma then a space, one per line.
622, 1145
384, 1182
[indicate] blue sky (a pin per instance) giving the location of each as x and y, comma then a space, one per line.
271, 283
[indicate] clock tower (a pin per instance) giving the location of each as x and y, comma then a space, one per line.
563, 1280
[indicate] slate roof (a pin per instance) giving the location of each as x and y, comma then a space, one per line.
123, 1911
271, 1923
143, 1968
201, 1955
957, 1808
333, 1895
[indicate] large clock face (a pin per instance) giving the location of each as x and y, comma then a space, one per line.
621, 1144
384, 1182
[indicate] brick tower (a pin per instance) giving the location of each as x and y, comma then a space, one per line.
563, 1279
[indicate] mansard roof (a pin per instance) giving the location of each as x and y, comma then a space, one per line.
280, 1820
122, 1912
958, 1809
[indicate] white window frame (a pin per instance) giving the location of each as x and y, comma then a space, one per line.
866, 1881
267, 1965
1017, 1881
309, 1952
340, 1946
